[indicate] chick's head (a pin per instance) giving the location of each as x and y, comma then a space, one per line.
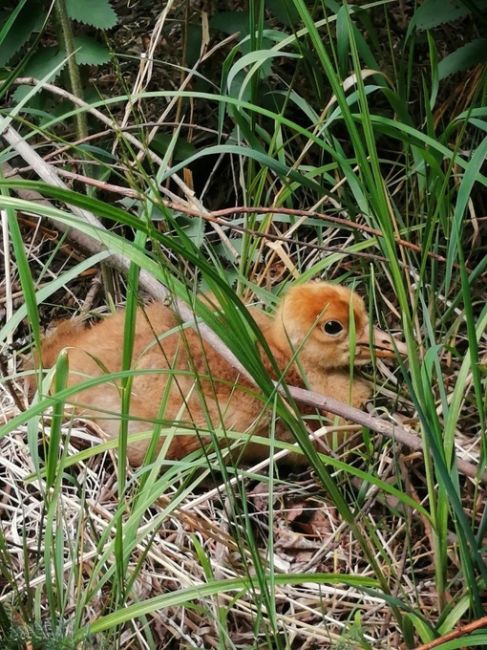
322, 323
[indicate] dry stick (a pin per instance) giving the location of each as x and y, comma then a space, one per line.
12, 389
455, 634
294, 212
219, 216
208, 216
158, 291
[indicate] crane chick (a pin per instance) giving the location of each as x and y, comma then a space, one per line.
189, 389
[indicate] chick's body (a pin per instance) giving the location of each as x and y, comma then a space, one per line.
194, 386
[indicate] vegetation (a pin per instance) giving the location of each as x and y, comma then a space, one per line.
283, 140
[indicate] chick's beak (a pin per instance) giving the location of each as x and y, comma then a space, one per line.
385, 345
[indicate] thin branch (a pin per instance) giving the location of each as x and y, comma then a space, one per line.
455, 634
219, 216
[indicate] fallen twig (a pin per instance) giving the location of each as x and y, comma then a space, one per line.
455, 634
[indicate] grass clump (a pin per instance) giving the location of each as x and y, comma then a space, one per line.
249, 148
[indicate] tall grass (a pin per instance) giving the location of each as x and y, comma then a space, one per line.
331, 129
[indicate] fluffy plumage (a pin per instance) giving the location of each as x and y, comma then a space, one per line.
312, 326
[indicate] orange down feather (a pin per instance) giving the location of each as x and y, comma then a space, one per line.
311, 327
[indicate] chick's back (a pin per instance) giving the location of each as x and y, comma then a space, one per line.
196, 386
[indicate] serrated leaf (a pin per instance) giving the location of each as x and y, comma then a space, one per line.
28, 21
195, 230
40, 65
90, 52
45, 60
465, 57
19, 93
97, 13
436, 12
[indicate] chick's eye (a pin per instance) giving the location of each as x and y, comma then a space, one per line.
333, 327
